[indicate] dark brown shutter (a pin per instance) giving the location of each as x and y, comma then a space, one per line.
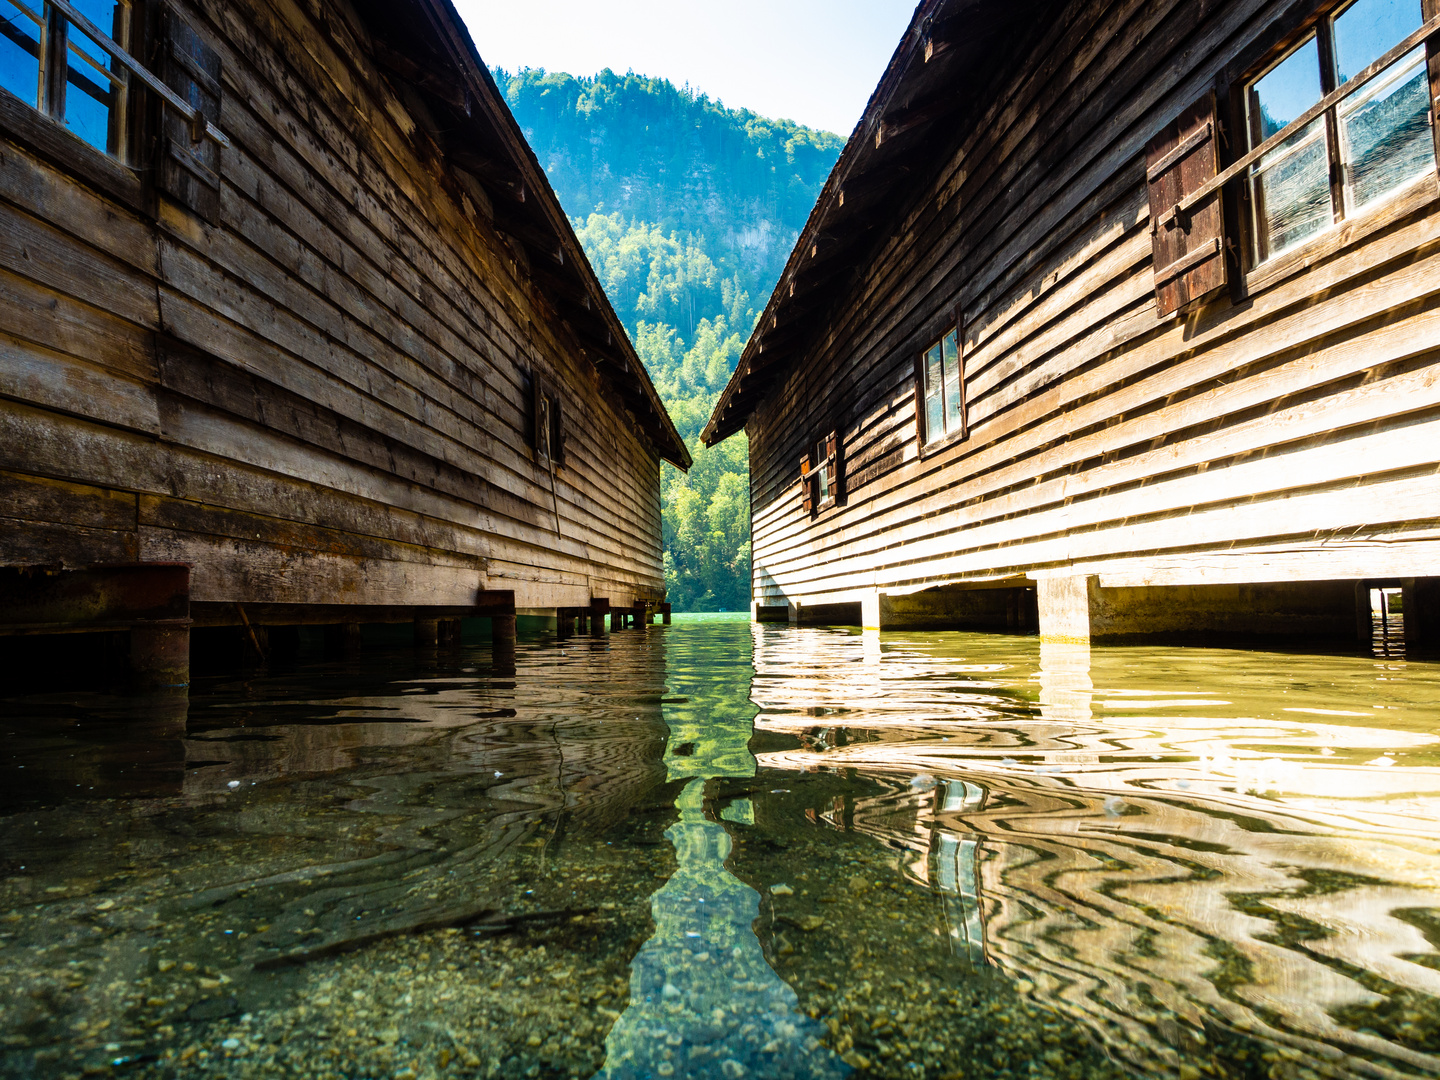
921, 435
832, 464
190, 168
807, 486
1189, 249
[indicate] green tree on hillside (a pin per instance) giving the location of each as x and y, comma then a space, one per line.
688, 211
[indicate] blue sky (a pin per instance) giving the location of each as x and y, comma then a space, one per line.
812, 61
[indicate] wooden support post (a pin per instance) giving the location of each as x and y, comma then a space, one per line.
427, 631
449, 633
870, 612
1065, 609
352, 638
1364, 620
502, 641
564, 623
160, 657
641, 614
665, 614
284, 643
617, 619
1420, 608
598, 609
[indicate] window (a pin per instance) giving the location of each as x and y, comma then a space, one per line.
52, 65
1362, 149
548, 434
820, 474
941, 382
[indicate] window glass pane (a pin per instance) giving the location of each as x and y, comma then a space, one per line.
1287, 89
1368, 29
20, 52
951, 350
1291, 184
1385, 135
109, 17
821, 472
934, 399
1291, 189
90, 96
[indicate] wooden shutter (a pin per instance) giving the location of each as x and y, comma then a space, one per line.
832, 465
807, 486
190, 166
922, 436
1189, 249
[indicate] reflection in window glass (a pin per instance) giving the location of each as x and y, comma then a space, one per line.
1286, 90
91, 96
1291, 184
1292, 192
951, 349
821, 471
1368, 29
934, 394
944, 397
20, 37
1385, 133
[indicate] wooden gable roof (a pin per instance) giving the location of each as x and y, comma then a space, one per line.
945, 62
424, 48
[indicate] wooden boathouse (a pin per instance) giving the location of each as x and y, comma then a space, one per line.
1122, 316
296, 332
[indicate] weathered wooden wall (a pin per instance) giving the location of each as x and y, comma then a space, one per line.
1295, 435
323, 397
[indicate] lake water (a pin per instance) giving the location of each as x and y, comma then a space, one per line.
718, 850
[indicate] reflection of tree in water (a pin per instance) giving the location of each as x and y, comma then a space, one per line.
703, 1000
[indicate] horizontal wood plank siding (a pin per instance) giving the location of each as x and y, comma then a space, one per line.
1104, 439
324, 396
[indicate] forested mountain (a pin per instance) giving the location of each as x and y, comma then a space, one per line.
688, 211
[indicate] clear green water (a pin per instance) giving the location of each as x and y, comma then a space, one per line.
717, 850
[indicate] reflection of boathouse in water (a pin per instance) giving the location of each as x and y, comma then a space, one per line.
1129, 881
1121, 318
296, 333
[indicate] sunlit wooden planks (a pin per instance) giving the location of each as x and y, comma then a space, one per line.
321, 395
1098, 431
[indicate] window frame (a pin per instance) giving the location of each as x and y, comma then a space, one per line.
926, 447
1346, 227
826, 450
42, 127
547, 435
